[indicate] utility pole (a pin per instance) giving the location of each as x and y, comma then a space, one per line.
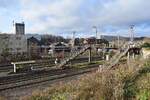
13, 30
118, 40
131, 33
95, 27
73, 38
73, 34
90, 55
100, 36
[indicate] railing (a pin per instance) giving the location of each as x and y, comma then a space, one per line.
115, 59
73, 55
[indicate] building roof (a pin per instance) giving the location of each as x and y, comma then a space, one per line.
33, 40
59, 44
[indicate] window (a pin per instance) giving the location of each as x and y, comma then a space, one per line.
18, 49
18, 38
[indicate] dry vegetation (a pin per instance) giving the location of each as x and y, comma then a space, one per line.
124, 83
2, 98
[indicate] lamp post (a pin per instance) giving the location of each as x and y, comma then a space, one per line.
94, 27
118, 40
73, 38
73, 34
131, 33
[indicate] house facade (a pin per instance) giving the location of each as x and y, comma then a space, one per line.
13, 44
33, 46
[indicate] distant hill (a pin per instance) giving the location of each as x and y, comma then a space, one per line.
146, 39
37, 36
107, 37
112, 38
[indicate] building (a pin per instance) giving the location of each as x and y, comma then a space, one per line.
91, 40
13, 44
59, 49
20, 28
75, 42
34, 48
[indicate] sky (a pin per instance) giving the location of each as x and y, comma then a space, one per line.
62, 17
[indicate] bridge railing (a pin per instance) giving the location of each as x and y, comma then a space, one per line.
115, 59
73, 55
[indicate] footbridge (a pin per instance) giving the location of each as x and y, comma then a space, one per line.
76, 54
127, 49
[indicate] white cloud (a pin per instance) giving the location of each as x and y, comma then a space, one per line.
123, 12
54, 15
51, 15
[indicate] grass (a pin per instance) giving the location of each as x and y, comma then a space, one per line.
143, 87
86, 64
139, 86
2, 98
109, 85
119, 84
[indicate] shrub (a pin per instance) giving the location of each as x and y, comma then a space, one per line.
108, 85
146, 45
144, 95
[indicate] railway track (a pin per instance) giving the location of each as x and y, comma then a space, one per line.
6, 68
26, 76
12, 82
46, 63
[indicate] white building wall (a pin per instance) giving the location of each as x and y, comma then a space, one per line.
4, 38
13, 43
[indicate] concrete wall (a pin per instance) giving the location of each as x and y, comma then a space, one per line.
14, 44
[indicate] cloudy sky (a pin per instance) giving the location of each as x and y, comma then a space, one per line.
61, 17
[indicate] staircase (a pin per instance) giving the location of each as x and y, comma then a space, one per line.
73, 56
115, 59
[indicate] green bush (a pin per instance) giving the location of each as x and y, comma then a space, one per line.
146, 45
144, 95
108, 85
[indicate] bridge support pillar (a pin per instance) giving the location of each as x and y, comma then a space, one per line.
128, 56
90, 55
14, 68
107, 57
133, 55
